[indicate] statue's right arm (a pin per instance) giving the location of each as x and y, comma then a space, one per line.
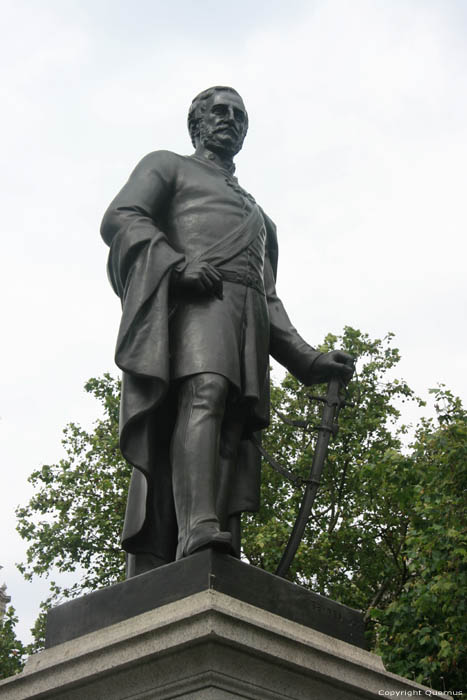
131, 221
142, 199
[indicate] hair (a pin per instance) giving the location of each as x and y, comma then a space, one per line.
198, 107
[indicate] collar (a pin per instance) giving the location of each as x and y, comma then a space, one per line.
225, 164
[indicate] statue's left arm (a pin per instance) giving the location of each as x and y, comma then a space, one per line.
287, 346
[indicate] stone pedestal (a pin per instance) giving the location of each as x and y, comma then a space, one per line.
206, 628
208, 646
207, 570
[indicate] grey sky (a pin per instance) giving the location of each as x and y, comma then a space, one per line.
357, 149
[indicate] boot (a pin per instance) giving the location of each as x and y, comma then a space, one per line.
195, 463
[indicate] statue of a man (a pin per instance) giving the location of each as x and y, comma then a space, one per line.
193, 259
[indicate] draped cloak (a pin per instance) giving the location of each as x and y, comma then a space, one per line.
175, 209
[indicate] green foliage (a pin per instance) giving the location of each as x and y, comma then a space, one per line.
73, 521
388, 530
12, 651
352, 549
423, 632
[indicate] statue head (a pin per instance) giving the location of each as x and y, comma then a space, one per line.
218, 120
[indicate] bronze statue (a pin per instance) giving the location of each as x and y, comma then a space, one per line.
193, 259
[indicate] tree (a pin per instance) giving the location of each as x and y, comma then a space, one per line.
74, 519
364, 545
423, 632
353, 546
12, 651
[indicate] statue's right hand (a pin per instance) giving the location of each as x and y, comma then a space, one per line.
201, 278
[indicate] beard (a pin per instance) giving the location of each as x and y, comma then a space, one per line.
220, 139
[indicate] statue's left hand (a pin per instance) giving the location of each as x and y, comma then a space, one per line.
333, 364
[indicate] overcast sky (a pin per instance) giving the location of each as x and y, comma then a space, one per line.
357, 149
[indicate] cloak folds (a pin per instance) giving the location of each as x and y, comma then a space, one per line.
140, 261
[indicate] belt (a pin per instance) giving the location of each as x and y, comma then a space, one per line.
248, 279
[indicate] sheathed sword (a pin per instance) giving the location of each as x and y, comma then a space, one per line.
333, 402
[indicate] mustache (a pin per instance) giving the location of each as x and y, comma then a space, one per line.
226, 127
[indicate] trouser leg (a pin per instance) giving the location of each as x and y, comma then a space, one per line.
234, 526
140, 563
195, 462
231, 434
154, 541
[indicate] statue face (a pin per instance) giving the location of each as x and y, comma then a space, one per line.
222, 128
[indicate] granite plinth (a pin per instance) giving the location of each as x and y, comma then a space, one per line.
207, 646
206, 570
